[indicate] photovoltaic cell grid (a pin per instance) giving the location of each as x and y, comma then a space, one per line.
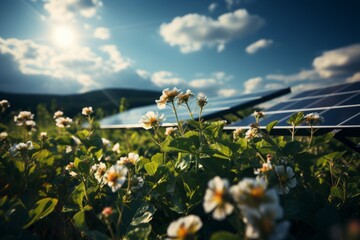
339, 105
216, 107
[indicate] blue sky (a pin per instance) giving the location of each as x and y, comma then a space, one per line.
221, 47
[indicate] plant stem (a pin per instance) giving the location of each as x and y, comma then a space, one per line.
188, 107
177, 118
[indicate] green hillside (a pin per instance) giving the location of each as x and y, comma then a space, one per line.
107, 99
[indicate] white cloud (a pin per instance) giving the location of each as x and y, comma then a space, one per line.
260, 44
67, 10
165, 78
335, 65
227, 92
337, 62
253, 84
193, 31
212, 7
302, 75
102, 33
81, 63
143, 73
354, 78
116, 61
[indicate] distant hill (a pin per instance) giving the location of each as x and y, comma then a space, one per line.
72, 104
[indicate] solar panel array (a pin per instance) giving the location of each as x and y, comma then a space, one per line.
216, 107
339, 105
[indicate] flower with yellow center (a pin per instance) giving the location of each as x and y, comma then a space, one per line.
87, 111
217, 198
131, 159
286, 178
150, 120
115, 176
184, 228
167, 95
313, 118
251, 193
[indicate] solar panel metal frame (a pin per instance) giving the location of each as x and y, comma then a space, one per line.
341, 130
252, 100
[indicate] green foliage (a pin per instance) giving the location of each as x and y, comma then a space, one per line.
75, 178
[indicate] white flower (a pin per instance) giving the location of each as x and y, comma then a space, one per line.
70, 168
99, 171
184, 97
237, 133
3, 135
170, 130
116, 148
201, 101
313, 118
30, 123
23, 117
68, 149
252, 133
43, 135
63, 122
76, 140
150, 119
4, 104
58, 114
184, 228
286, 178
167, 95
105, 142
87, 111
115, 176
252, 192
265, 168
132, 159
262, 223
216, 198
258, 115
25, 146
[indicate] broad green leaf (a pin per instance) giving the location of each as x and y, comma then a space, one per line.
222, 235
323, 138
158, 158
41, 209
151, 168
19, 165
143, 214
78, 194
296, 119
271, 125
80, 218
141, 231
336, 193
188, 144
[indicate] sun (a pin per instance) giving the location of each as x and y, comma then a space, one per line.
64, 36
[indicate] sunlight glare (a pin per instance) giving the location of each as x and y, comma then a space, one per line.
64, 36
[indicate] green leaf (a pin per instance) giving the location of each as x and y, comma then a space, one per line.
323, 139
143, 214
336, 193
80, 218
142, 231
158, 158
41, 209
19, 165
222, 235
296, 119
78, 194
187, 144
271, 125
151, 168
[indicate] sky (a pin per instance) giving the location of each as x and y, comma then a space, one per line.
214, 47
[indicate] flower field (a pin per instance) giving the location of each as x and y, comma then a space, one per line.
62, 180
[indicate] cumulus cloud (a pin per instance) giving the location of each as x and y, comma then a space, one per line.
193, 31
227, 92
253, 84
354, 78
143, 73
212, 7
81, 64
335, 65
67, 10
116, 61
166, 78
337, 62
102, 33
259, 44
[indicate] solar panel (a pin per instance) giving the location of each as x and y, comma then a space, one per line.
339, 105
216, 107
